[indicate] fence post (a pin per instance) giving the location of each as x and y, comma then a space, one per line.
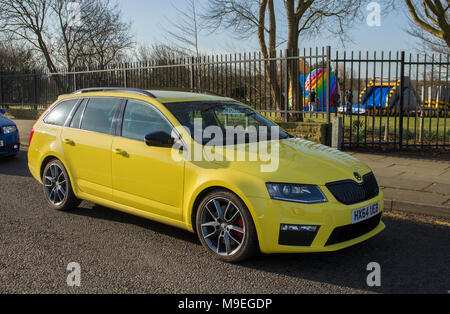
402, 87
74, 81
1, 88
286, 87
125, 75
337, 133
192, 73
35, 97
328, 82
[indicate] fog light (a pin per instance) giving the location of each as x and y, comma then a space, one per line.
299, 228
16, 146
297, 235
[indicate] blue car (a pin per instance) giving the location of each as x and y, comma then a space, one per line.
9, 136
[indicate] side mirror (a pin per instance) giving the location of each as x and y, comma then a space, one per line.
2, 111
159, 139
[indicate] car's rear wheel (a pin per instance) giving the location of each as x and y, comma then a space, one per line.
57, 187
225, 227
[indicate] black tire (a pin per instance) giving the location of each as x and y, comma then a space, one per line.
233, 252
53, 193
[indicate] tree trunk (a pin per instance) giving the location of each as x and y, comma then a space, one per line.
270, 66
292, 48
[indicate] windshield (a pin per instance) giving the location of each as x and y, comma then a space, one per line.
237, 123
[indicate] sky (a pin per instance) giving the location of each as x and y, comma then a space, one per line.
148, 18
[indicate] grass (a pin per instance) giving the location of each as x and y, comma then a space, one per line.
433, 128
411, 126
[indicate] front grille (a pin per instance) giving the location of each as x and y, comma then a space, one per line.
350, 192
350, 232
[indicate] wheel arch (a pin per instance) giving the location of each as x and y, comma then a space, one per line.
51, 156
206, 189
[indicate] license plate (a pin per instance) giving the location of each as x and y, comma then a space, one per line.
365, 213
2, 143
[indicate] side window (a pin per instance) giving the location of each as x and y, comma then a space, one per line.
59, 114
140, 119
99, 114
75, 123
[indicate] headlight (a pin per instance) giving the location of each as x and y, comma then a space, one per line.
9, 129
299, 193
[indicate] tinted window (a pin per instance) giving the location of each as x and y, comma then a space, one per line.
225, 115
75, 123
141, 119
99, 114
59, 114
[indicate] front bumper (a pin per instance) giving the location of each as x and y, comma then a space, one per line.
329, 217
11, 144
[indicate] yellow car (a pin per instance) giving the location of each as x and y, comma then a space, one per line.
159, 155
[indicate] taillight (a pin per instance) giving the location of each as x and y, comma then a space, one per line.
31, 137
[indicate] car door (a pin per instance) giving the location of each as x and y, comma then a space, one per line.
87, 145
146, 177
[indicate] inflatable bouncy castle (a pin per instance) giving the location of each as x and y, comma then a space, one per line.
317, 80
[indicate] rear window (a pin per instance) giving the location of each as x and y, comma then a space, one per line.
99, 114
59, 114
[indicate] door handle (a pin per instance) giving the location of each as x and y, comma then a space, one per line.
68, 141
119, 151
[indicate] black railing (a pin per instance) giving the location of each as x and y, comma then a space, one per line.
385, 100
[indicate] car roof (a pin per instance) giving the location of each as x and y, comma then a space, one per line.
165, 96
162, 96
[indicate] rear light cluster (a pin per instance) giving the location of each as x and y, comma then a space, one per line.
31, 137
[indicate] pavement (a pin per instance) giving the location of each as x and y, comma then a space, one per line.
120, 253
410, 183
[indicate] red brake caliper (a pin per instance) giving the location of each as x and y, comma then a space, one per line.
241, 225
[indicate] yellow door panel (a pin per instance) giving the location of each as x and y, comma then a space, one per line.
88, 155
147, 178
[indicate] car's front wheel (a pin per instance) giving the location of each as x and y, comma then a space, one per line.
57, 188
225, 227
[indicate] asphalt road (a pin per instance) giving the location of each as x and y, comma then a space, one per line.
119, 253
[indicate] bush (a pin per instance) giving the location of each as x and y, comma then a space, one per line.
357, 125
358, 130
408, 135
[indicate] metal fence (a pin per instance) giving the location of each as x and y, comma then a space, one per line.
387, 100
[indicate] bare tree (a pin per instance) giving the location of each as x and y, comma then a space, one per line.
247, 17
430, 23
108, 36
26, 21
160, 54
186, 30
14, 58
50, 28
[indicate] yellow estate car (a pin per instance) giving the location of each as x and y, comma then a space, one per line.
159, 155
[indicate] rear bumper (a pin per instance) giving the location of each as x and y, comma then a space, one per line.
11, 144
335, 230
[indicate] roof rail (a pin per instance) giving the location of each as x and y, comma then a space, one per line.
120, 89
183, 89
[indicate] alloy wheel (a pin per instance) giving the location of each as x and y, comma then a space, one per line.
55, 184
222, 226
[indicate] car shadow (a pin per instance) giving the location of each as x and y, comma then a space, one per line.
413, 257
104, 213
15, 166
